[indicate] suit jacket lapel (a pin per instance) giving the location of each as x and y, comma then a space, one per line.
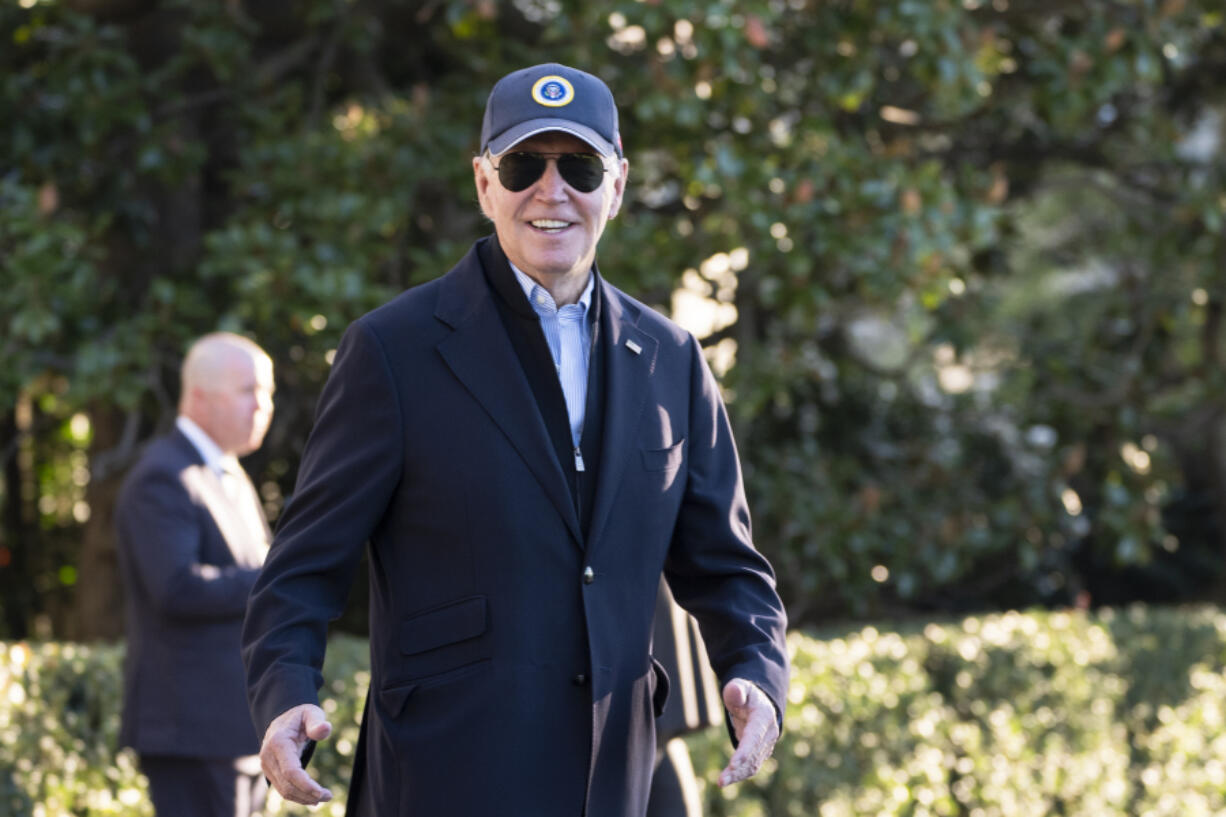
630, 360
480, 355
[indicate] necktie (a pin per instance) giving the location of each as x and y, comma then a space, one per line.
243, 499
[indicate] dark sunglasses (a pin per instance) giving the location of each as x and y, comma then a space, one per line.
519, 171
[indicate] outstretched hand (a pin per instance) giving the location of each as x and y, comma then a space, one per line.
757, 728
282, 748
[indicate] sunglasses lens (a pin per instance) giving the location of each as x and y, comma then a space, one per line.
518, 171
582, 171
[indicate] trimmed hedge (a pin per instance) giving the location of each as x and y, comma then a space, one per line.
1012, 715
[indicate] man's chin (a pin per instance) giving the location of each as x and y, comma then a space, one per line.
556, 268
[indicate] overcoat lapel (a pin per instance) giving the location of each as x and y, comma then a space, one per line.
630, 361
481, 356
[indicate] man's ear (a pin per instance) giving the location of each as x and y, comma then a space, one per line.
619, 188
481, 180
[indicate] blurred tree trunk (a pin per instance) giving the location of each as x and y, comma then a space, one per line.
15, 587
1212, 447
170, 248
99, 600
99, 591
1199, 442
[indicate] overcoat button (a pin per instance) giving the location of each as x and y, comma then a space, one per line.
589, 575
579, 680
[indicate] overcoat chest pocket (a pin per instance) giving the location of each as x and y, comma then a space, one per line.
664, 459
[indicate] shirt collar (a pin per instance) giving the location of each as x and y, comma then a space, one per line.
531, 288
213, 456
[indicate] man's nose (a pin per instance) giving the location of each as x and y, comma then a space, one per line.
551, 185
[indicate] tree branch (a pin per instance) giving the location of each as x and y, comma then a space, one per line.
105, 463
324, 66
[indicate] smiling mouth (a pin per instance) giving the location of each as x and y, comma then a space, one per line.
549, 225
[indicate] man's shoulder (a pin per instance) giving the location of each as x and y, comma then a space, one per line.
162, 459
649, 319
168, 450
414, 309
415, 303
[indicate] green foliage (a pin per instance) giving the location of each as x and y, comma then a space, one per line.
1024, 715
964, 257
59, 727
1013, 715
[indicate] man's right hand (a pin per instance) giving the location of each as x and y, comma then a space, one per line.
283, 743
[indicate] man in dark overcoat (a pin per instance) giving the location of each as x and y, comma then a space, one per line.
526, 449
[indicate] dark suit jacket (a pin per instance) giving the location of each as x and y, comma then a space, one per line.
184, 690
510, 665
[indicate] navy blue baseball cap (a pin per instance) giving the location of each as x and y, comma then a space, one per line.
550, 97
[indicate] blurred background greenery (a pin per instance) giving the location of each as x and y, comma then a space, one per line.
1114, 713
959, 264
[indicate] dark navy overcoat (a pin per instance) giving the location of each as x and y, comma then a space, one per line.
511, 669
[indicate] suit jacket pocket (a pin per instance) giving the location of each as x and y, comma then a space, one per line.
664, 459
659, 690
396, 694
450, 623
439, 640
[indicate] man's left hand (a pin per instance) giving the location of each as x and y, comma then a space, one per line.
757, 728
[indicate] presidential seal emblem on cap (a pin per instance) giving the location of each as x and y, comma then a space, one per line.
553, 91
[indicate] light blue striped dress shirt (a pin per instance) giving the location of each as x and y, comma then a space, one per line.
569, 336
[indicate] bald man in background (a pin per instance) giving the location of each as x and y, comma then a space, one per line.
192, 536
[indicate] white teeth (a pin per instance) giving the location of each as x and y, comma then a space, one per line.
549, 224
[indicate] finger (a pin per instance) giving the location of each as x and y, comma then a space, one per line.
748, 758
290, 779
305, 790
738, 695
274, 760
745, 761
315, 725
